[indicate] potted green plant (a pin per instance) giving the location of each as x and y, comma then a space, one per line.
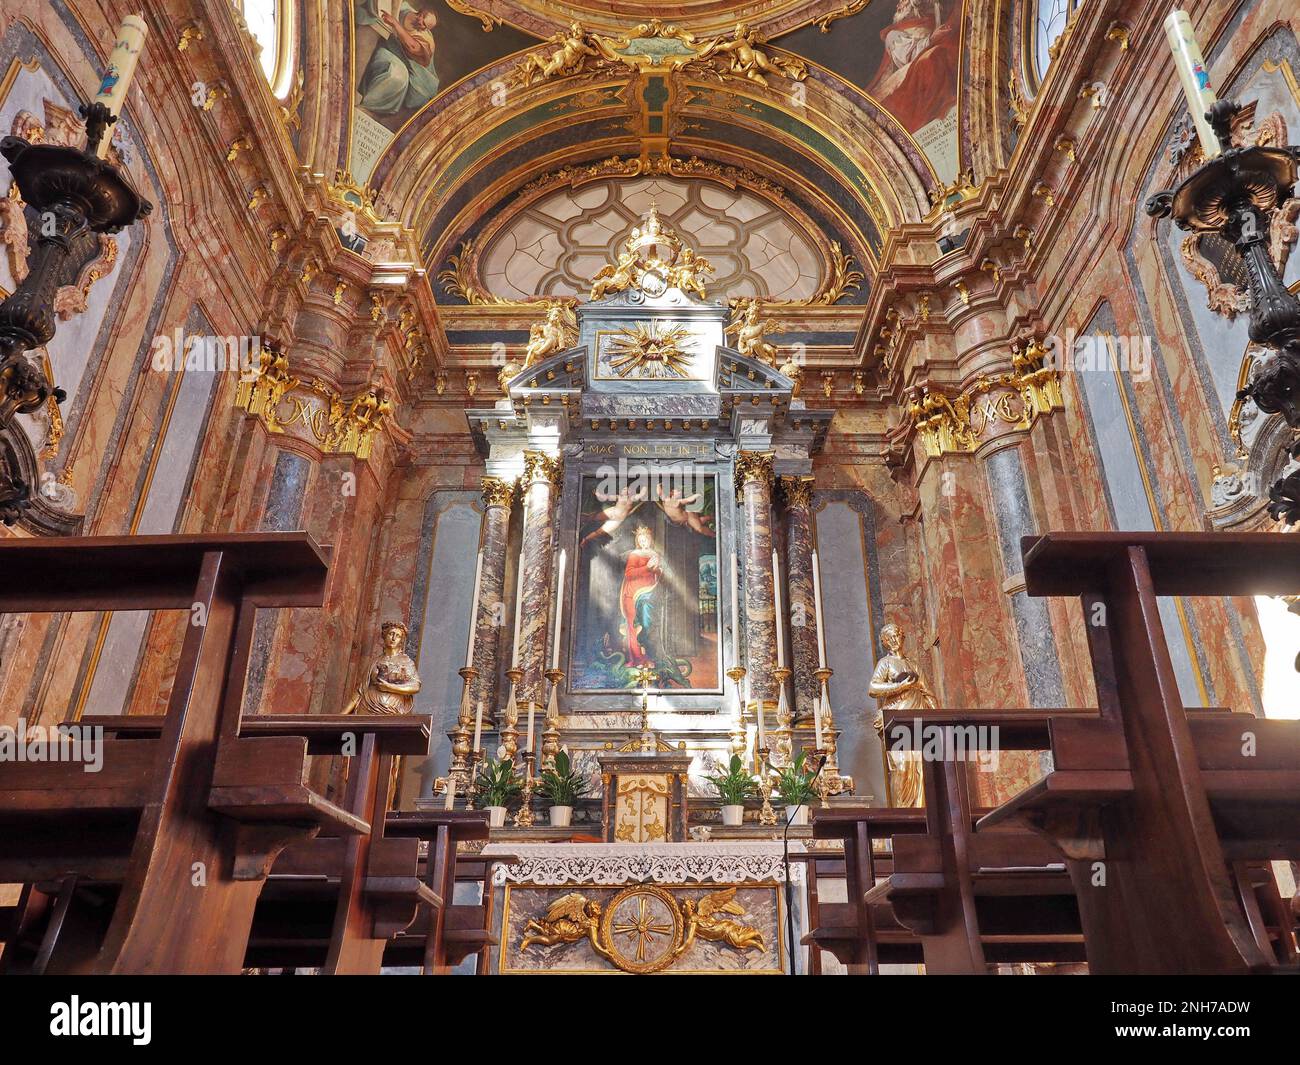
560, 786
497, 785
733, 788
794, 784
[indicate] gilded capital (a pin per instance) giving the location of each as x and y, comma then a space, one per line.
753, 466
797, 491
497, 492
539, 466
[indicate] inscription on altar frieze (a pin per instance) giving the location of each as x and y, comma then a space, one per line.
673, 450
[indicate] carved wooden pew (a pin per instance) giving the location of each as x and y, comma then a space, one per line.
158, 858
859, 934
976, 898
1156, 807
442, 937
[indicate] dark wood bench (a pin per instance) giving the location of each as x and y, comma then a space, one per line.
155, 863
1157, 808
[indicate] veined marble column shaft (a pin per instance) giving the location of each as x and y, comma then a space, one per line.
542, 477
491, 616
802, 618
754, 491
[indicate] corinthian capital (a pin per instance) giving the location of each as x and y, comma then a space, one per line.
753, 466
497, 492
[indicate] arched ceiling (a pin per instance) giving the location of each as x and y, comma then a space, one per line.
479, 123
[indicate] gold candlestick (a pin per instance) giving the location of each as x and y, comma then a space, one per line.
739, 738
766, 815
524, 818
835, 783
551, 725
510, 725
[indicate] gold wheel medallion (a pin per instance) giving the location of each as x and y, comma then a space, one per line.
642, 929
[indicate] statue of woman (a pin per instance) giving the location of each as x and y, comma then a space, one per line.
393, 682
898, 685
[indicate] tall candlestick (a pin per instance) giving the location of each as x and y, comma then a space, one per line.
776, 602
519, 613
1194, 77
120, 70
817, 609
559, 613
473, 612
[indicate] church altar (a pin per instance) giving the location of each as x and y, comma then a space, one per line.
698, 907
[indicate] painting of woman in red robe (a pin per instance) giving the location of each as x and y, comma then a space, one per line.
917, 78
636, 598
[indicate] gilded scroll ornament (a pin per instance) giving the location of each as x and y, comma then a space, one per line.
644, 929
574, 51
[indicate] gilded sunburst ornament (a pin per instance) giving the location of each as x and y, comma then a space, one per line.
645, 350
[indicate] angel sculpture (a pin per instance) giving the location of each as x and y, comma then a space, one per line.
688, 273
550, 336
748, 60
703, 919
749, 331
614, 277
569, 919
572, 53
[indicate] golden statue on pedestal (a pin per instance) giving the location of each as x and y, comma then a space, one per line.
392, 682
749, 330
898, 685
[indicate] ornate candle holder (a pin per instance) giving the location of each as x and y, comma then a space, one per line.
766, 814
76, 194
551, 726
1235, 195
836, 783
524, 817
510, 716
739, 737
462, 734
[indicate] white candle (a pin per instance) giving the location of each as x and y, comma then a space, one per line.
1194, 77
817, 720
776, 602
120, 70
450, 801
473, 613
532, 707
519, 613
559, 607
762, 732
817, 609
478, 726
735, 610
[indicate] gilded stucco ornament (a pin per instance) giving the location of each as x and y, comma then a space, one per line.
645, 928
750, 331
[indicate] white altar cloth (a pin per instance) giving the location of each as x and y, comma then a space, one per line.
724, 862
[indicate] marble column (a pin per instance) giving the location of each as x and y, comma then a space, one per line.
802, 616
491, 617
543, 475
754, 493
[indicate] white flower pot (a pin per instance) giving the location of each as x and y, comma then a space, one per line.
796, 815
733, 814
496, 816
561, 816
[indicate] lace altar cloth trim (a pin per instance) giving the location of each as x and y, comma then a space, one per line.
553, 865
